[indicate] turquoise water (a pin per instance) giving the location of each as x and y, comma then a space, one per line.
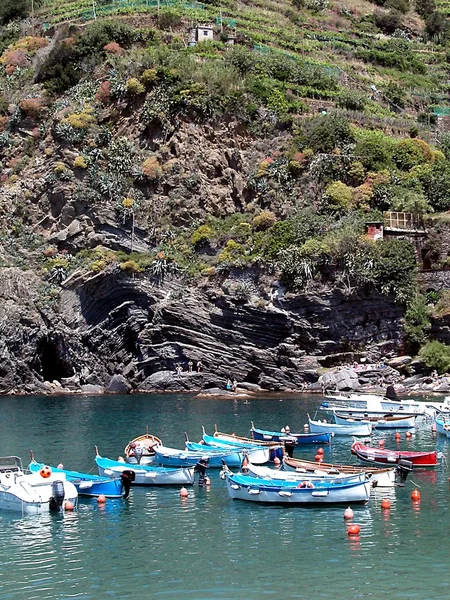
157, 545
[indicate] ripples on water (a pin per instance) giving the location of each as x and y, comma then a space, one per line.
158, 546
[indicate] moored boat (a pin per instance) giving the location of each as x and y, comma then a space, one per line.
144, 474
173, 457
87, 484
442, 422
253, 489
287, 436
386, 421
381, 477
256, 455
352, 429
141, 449
33, 493
295, 476
382, 456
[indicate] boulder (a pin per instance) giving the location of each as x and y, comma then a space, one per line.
118, 385
92, 390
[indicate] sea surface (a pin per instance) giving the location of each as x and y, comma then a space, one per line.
158, 546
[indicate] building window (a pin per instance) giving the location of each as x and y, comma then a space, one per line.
205, 32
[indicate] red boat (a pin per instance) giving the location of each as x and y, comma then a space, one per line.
381, 456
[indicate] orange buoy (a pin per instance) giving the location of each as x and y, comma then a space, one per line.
381, 443
60, 466
398, 437
433, 427
353, 529
408, 435
207, 481
415, 495
45, 472
184, 493
276, 461
68, 505
318, 458
385, 504
306, 427
101, 499
320, 451
348, 513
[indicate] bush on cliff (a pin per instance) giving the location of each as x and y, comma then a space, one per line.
436, 356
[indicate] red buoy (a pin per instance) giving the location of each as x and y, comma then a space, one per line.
68, 505
385, 504
353, 529
415, 495
101, 499
276, 461
318, 458
381, 443
184, 493
348, 513
320, 451
398, 437
408, 435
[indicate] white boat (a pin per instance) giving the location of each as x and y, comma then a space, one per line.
33, 493
373, 403
145, 474
377, 421
254, 489
353, 429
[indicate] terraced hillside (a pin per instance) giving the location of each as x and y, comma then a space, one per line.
245, 168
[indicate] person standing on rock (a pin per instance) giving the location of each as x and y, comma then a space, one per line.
234, 388
199, 366
190, 365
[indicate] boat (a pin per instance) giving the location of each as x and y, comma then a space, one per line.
141, 449
256, 455
387, 403
296, 476
353, 429
88, 484
173, 457
382, 456
442, 422
380, 477
293, 438
387, 421
254, 489
33, 493
144, 474
276, 449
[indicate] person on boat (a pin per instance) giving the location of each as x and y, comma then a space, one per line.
200, 468
289, 442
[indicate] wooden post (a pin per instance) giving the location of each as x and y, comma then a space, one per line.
93, 9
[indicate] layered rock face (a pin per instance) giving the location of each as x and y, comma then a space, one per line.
120, 334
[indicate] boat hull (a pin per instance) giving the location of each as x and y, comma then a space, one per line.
384, 422
378, 456
254, 491
28, 494
297, 438
352, 429
146, 475
255, 455
170, 457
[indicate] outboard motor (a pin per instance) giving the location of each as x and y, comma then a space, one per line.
57, 497
402, 470
200, 468
391, 394
127, 479
138, 452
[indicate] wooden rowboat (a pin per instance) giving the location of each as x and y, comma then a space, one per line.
387, 421
293, 438
382, 456
141, 449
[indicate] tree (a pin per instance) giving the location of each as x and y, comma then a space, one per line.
416, 322
324, 134
425, 7
436, 356
13, 9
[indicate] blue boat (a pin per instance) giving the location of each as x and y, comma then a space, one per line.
291, 438
172, 457
87, 484
257, 455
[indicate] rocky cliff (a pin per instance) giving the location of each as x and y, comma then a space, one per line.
117, 333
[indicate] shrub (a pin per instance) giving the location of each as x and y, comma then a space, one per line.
436, 356
131, 266
113, 48
425, 7
149, 77
80, 163
13, 9
374, 149
416, 322
388, 22
59, 168
324, 134
202, 235
339, 195
3, 123
411, 152
104, 92
134, 87
151, 168
32, 107
401, 6
264, 220
351, 100
82, 120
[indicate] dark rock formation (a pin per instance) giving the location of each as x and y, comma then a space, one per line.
119, 334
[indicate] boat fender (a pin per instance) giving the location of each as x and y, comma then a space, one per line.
310, 485
45, 472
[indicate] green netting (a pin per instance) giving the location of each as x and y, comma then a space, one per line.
226, 21
441, 111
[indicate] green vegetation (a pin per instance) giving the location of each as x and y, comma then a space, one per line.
436, 356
